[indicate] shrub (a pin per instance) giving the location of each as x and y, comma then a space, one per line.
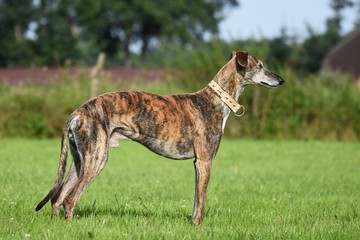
41, 110
324, 106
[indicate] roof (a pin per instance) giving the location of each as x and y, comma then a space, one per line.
345, 56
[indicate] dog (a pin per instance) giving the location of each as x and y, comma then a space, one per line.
183, 126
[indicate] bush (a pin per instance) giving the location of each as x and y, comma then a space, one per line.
324, 106
41, 110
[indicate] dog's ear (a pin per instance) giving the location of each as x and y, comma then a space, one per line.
233, 53
242, 58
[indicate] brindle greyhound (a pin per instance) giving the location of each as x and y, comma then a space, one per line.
175, 126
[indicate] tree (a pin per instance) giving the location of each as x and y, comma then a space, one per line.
279, 49
15, 16
314, 48
64, 30
51, 42
120, 24
56, 37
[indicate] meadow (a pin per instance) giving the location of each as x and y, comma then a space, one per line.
258, 190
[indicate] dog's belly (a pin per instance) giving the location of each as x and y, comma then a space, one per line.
179, 149
167, 146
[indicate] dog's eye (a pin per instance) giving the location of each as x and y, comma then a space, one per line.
261, 66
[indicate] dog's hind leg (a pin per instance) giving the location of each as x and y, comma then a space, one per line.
93, 163
69, 183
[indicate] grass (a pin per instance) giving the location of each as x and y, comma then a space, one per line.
258, 190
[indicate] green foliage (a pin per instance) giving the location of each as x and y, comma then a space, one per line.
309, 109
41, 110
64, 31
324, 106
14, 49
258, 190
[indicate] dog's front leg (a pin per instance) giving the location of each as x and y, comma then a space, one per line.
202, 176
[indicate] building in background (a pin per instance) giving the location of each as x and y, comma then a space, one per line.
345, 57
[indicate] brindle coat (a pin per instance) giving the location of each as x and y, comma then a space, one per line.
175, 126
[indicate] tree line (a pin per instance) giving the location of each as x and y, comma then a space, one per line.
53, 32
74, 32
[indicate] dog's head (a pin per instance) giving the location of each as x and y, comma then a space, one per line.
252, 71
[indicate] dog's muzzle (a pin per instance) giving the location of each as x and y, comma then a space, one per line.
273, 84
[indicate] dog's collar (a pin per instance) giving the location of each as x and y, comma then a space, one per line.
227, 99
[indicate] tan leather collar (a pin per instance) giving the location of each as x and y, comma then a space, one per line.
227, 99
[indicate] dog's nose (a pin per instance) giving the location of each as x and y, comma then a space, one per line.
280, 80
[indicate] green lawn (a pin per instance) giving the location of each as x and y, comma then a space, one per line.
258, 190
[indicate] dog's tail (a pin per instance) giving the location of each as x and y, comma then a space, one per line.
61, 170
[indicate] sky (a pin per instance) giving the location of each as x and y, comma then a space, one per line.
265, 18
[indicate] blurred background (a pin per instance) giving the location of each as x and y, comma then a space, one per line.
55, 54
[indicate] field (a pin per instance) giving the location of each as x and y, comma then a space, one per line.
258, 190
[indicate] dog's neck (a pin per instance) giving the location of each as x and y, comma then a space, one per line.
228, 80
